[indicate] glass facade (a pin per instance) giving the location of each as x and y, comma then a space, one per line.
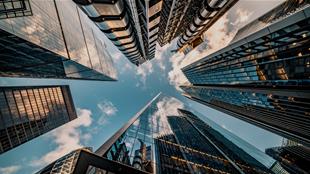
276, 14
125, 23
30, 111
263, 78
56, 41
170, 137
295, 158
14, 8
65, 164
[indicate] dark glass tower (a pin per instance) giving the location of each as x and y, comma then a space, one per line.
262, 76
51, 39
167, 136
29, 111
295, 158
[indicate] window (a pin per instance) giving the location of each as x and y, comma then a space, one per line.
14, 8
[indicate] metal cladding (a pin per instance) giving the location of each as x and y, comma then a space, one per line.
114, 18
207, 11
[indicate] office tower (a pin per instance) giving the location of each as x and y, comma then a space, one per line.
65, 164
262, 76
128, 24
29, 111
134, 26
167, 136
294, 157
51, 39
198, 17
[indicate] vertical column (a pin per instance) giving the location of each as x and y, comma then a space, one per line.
7, 120
51, 109
23, 114
46, 110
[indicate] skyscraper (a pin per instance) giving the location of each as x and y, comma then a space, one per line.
295, 157
134, 26
167, 136
65, 164
129, 24
198, 17
262, 76
51, 39
29, 111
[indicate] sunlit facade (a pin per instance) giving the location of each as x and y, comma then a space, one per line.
51, 39
135, 26
65, 164
167, 136
262, 76
27, 112
191, 19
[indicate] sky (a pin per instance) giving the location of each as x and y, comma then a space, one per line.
104, 107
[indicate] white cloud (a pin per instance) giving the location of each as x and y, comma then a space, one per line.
68, 138
159, 58
93, 130
217, 37
144, 70
116, 56
108, 110
137, 84
244, 16
166, 107
126, 68
10, 170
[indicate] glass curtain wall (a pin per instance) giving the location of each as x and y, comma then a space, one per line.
160, 140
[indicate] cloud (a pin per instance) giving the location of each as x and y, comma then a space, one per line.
137, 84
217, 37
159, 58
144, 70
244, 16
9, 170
116, 56
126, 68
166, 107
108, 110
68, 138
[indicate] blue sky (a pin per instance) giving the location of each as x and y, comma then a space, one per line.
104, 107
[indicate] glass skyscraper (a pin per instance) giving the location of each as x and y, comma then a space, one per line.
294, 157
65, 164
131, 25
167, 136
51, 39
134, 26
262, 76
27, 112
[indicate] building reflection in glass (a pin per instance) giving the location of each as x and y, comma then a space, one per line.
56, 41
262, 76
27, 112
170, 137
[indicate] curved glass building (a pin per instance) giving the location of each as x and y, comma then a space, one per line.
134, 26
